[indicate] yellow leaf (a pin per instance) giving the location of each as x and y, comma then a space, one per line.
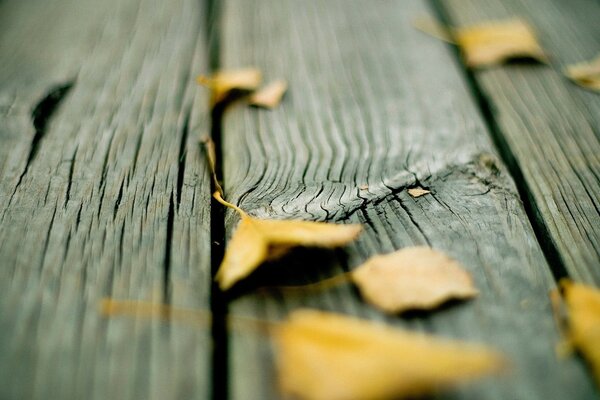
257, 240
269, 96
583, 303
412, 278
418, 192
223, 82
496, 42
586, 74
324, 356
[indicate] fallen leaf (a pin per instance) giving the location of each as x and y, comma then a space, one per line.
496, 42
586, 74
269, 96
418, 191
257, 240
412, 278
324, 356
223, 82
583, 303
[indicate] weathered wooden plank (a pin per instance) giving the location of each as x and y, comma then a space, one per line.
373, 108
550, 125
103, 192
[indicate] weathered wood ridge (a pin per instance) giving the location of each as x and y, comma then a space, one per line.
105, 192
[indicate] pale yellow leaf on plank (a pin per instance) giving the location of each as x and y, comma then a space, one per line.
585, 74
496, 42
412, 278
583, 303
418, 191
324, 356
257, 240
269, 96
223, 82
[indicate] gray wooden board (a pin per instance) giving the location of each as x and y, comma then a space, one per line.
374, 106
103, 192
551, 126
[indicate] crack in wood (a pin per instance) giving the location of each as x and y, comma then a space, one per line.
482, 168
40, 116
182, 155
168, 249
70, 178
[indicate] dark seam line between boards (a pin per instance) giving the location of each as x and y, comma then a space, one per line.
218, 301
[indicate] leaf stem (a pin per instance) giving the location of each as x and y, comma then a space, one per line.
111, 308
324, 284
219, 198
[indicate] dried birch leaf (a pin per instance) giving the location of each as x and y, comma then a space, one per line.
412, 278
586, 74
269, 96
496, 42
583, 303
258, 240
324, 356
418, 191
223, 82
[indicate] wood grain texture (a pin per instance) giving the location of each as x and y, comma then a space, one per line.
550, 125
375, 107
103, 192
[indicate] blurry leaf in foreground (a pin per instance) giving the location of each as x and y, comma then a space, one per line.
223, 82
495, 42
324, 356
586, 74
269, 96
412, 278
257, 240
583, 303
418, 192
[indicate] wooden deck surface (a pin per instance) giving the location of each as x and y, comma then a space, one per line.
105, 191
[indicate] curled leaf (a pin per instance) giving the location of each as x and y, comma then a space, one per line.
223, 82
418, 191
496, 42
258, 240
583, 303
585, 74
324, 356
412, 278
269, 96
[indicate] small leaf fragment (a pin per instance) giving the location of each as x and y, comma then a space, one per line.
418, 191
258, 240
223, 82
270, 95
585, 74
325, 356
583, 303
412, 278
495, 42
